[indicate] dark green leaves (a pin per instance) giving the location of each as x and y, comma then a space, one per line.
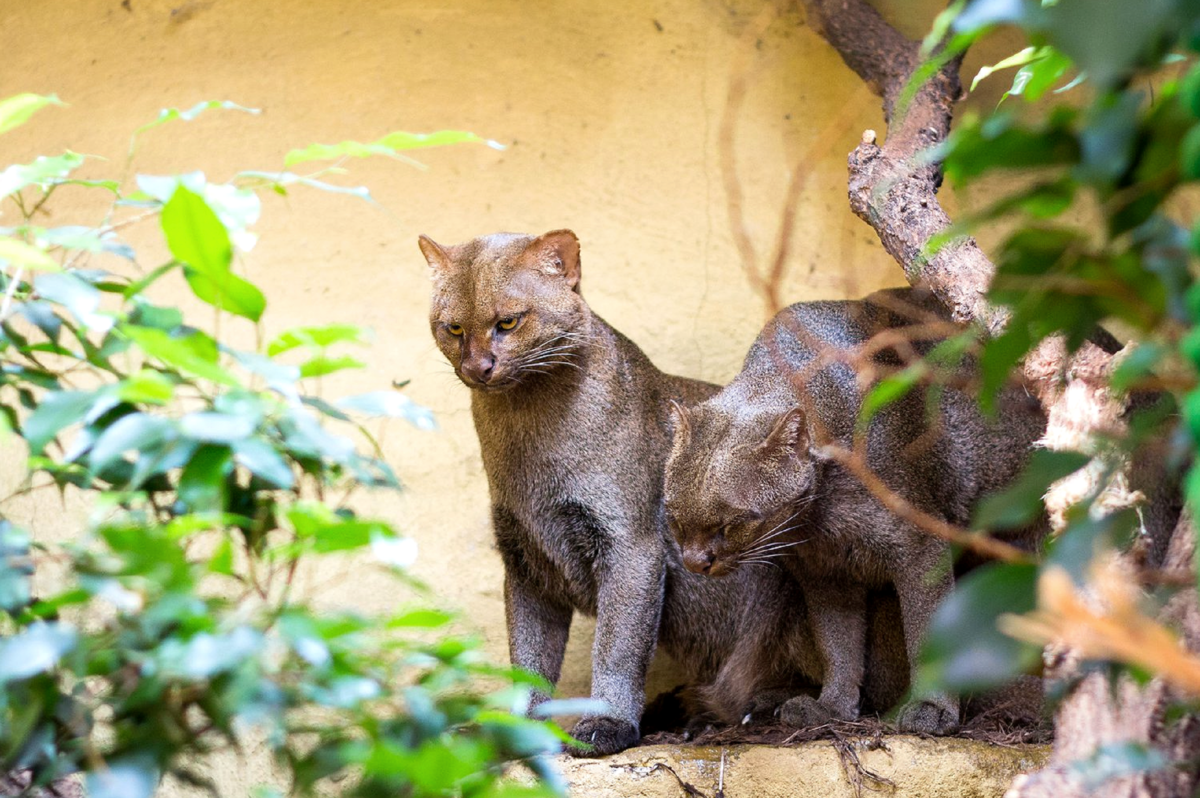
1021, 503
964, 649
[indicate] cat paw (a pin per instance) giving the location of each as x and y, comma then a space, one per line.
604, 736
804, 711
929, 717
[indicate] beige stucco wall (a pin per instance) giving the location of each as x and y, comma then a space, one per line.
610, 113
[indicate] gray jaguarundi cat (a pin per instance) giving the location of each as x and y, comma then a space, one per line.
572, 421
745, 482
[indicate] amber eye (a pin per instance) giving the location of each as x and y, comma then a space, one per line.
507, 324
455, 329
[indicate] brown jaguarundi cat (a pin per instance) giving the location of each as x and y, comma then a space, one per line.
746, 482
572, 421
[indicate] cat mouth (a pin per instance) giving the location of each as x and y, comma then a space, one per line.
493, 385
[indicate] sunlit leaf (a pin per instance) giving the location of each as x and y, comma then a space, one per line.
390, 145
17, 109
26, 256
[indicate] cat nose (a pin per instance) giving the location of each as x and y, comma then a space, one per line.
698, 561
479, 369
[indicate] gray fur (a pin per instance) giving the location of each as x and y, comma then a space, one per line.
573, 425
745, 482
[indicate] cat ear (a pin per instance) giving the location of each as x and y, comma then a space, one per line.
438, 259
789, 435
680, 426
556, 253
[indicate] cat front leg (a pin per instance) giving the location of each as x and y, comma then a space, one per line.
538, 622
538, 627
922, 583
628, 610
838, 614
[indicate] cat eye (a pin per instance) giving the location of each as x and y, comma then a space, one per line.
455, 329
509, 323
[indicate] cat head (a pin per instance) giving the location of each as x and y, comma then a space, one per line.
733, 482
506, 308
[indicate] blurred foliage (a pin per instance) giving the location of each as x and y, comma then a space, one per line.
1099, 229
214, 474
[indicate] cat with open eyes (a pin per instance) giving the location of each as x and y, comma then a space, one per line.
572, 422
746, 480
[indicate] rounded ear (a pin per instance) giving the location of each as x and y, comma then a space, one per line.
789, 435
437, 257
556, 253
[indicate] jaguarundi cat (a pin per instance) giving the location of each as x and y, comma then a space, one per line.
746, 482
572, 422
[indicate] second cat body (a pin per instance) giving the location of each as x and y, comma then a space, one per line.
746, 482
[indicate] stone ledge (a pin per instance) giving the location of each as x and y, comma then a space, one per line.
919, 768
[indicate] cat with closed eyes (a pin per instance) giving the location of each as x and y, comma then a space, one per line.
572, 420
746, 480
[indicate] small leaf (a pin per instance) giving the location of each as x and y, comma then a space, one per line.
170, 114
321, 365
888, 390
202, 483
43, 171
216, 427
390, 404
264, 461
138, 431
34, 650
195, 352
16, 110
390, 145
56, 412
1020, 503
26, 256
316, 337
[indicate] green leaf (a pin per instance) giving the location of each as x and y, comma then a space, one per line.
138, 431
391, 404
16, 568
213, 427
420, 619
1020, 504
56, 412
34, 650
228, 292
1017, 59
888, 390
17, 110
390, 145
78, 296
43, 171
146, 387
171, 114
202, 483
964, 649
321, 365
195, 352
25, 256
1114, 761
264, 461
195, 234
316, 337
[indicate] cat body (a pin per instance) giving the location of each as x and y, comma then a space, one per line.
746, 482
573, 426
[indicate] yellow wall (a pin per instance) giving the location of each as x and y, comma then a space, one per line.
611, 113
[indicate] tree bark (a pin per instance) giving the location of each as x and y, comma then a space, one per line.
893, 188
